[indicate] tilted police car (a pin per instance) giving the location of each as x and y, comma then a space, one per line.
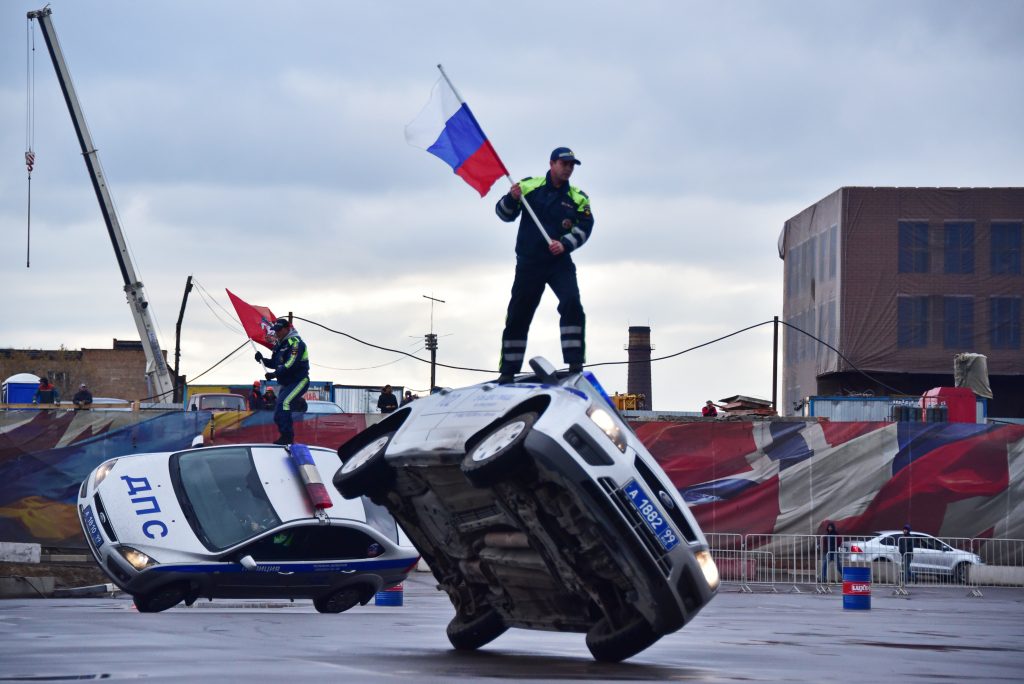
238, 521
536, 506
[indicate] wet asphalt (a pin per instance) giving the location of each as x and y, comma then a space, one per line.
937, 634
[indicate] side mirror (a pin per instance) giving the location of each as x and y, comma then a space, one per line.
197, 441
247, 562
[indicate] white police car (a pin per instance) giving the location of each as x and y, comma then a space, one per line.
238, 521
536, 506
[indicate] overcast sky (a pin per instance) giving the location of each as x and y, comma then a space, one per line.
258, 146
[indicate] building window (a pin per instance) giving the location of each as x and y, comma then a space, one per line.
959, 247
1006, 247
1005, 322
912, 322
958, 322
913, 247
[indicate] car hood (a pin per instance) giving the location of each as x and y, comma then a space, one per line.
445, 421
142, 508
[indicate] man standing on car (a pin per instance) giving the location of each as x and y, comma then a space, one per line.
290, 361
906, 547
564, 212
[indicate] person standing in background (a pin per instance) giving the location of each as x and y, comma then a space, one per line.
387, 402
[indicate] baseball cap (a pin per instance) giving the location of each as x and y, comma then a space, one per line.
280, 323
907, 526
564, 153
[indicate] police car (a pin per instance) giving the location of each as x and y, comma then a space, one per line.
536, 506
238, 521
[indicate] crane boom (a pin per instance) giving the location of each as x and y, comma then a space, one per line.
158, 376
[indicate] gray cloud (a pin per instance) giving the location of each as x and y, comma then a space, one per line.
259, 147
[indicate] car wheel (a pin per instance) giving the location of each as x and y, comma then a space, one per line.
469, 635
160, 599
613, 645
339, 601
500, 454
366, 473
960, 573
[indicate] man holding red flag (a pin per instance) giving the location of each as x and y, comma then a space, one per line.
290, 363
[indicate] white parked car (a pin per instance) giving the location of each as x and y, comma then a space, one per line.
238, 521
319, 406
536, 506
217, 401
931, 556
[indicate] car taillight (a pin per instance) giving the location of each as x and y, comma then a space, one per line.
855, 549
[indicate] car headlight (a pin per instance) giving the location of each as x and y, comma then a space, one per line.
608, 426
101, 472
136, 558
708, 567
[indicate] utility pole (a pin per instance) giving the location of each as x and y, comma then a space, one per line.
177, 341
431, 343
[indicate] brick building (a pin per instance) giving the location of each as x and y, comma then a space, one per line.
118, 372
899, 280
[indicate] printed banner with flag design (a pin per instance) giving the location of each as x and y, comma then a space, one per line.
448, 130
257, 320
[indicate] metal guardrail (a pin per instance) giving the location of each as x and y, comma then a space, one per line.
795, 563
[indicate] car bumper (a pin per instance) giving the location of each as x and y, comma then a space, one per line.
670, 584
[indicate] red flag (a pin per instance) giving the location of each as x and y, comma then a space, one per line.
257, 320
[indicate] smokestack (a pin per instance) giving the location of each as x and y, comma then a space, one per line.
638, 378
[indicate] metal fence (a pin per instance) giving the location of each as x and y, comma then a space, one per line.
797, 563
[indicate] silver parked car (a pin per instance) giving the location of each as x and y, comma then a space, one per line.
536, 506
931, 556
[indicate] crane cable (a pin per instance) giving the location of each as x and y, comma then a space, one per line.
30, 127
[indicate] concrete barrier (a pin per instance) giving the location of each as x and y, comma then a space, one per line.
996, 576
16, 552
26, 587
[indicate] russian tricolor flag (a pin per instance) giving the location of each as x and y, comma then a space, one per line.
447, 129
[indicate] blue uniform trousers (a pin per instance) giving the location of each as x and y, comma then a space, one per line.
290, 399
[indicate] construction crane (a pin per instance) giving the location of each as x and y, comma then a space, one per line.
158, 377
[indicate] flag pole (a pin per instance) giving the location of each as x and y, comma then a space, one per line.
526, 204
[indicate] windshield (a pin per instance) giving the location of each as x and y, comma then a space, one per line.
229, 402
222, 495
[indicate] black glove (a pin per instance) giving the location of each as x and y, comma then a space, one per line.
259, 356
269, 376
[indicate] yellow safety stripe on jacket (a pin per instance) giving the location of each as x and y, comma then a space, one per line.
579, 198
293, 355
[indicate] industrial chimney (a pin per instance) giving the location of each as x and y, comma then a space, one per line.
638, 378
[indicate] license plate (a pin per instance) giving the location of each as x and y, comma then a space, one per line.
651, 515
92, 528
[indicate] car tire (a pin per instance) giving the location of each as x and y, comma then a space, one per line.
960, 573
499, 454
469, 635
609, 645
366, 473
161, 599
339, 601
